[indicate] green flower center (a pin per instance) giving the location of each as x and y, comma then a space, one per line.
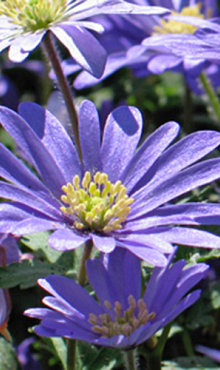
33, 15
125, 322
96, 203
170, 26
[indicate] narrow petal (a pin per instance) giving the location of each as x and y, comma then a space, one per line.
31, 225
111, 278
89, 131
188, 279
65, 239
121, 136
123, 7
13, 170
152, 256
90, 8
32, 145
113, 63
189, 236
16, 55
186, 302
76, 39
210, 352
104, 244
155, 296
55, 138
67, 290
12, 192
161, 62
183, 182
148, 154
54, 324
181, 214
144, 239
181, 155
101, 282
30, 42
17, 221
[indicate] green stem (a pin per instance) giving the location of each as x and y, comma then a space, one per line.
71, 354
82, 270
211, 94
130, 359
187, 343
64, 86
71, 343
155, 349
163, 339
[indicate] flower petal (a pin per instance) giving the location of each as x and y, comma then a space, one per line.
148, 154
181, 155
182, 214
104, 244
189, 236
121, 136
67, 290
55, 138
19, 221
76, 39
32, 145
13, 170
103, 276
89, 131
152, 256
150, 197
65, 240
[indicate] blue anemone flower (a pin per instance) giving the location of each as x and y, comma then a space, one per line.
153, 44
119, 195
23, 24
121, 317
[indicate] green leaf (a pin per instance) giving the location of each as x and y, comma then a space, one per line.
61, 350
38, 242
215, 295
8, 358
192, 363
92, 358
26, 272
213, 253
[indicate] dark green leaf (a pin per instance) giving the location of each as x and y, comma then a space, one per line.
92, 358
26, 272
192, 363
8, 358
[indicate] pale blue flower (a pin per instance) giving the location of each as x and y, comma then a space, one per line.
23, 24
122, 317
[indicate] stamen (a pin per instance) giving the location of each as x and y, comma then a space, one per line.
171, 26
125, 322
33, 15
96, 204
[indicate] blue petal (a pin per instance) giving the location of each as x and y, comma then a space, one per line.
121, 136
90, 136
83, 47
54, 137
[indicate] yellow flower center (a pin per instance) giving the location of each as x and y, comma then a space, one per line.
96, 204
170, 26
33, 15
124, 322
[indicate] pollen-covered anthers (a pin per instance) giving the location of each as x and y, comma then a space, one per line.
124, 322
171, 26
33, 15
96, 203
